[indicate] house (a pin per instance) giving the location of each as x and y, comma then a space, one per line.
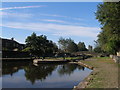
11, 45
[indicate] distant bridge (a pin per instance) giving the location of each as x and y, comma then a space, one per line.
86, 53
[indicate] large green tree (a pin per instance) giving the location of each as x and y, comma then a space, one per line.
108, 14
97, 48
39, 45
63, 43
72, 47
68, 45
81, 46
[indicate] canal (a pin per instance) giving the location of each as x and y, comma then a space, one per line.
28, 75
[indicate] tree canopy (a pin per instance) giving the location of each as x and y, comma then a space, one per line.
108, 15
90, 48
68, 45
39, 45
72, 47
81, 46
63, 43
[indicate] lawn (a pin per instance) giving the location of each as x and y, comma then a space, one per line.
105, 74
61, 58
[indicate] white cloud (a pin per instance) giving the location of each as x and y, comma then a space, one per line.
53, 15
31, 15
15, 15
60, 21
61, 16
56, 29
53, 20
9, 8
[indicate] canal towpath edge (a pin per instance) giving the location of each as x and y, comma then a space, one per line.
103, 69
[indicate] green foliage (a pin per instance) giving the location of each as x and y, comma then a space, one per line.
39, 45
90, 48
108, 15
72, 47
68, 45
97, 48
63, 43
81, 46
27, 49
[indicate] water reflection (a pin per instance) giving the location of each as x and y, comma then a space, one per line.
33, 73
68, 69
9, 68
40, 72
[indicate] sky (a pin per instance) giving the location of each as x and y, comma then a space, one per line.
75, 20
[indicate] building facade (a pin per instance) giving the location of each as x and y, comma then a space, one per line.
11, 45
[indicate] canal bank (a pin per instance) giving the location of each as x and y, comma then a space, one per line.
104, 75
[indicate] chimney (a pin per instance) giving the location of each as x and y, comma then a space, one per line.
12, 38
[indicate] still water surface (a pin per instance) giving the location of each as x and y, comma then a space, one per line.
27, 75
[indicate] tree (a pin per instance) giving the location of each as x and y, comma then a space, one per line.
39, 46
63, 43
97, 48
72, 47
81, 46
68, 45
90, 48
108, 15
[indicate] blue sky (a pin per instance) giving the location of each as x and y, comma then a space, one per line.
63, 19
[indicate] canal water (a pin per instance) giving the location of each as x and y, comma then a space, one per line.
27, 75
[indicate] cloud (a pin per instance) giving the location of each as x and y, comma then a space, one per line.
53, 15
53, 20
61, 22
61, 16
15, 15
56, 29
10, 8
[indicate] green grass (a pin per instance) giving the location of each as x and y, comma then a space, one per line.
69, 58
105, 74
100, 57
61, 58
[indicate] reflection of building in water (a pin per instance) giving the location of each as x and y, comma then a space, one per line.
9, 68
11, 45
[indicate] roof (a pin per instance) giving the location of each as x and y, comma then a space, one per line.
10, 40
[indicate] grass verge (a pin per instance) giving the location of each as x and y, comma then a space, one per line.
105, 74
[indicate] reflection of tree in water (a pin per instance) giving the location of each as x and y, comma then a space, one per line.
9, 71
40, 72
9, 68
33, 73
68, 69
81, 67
